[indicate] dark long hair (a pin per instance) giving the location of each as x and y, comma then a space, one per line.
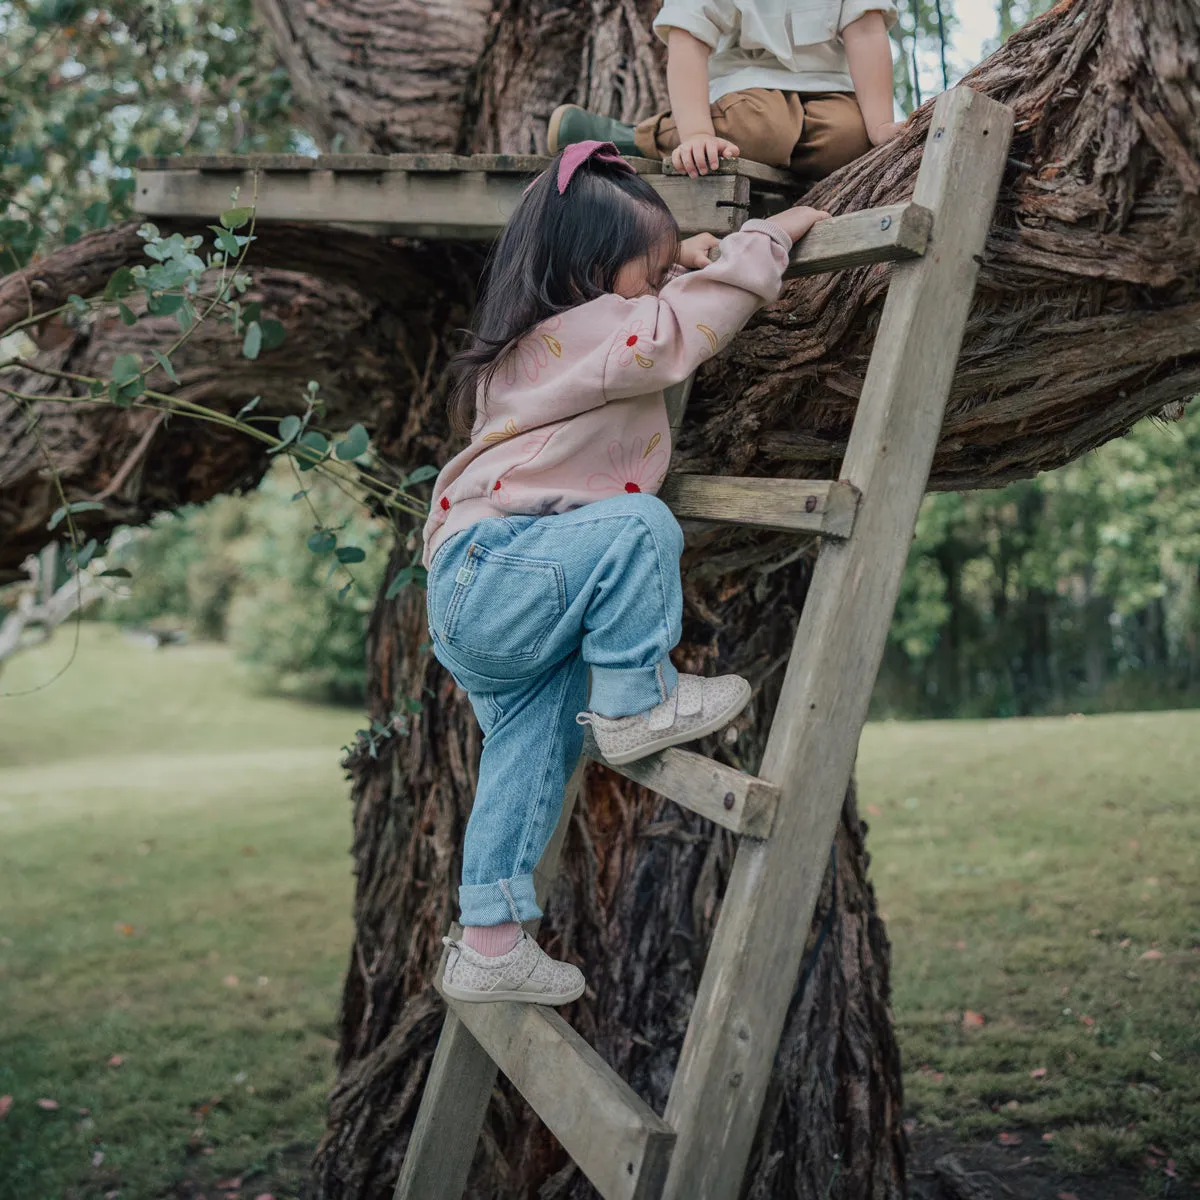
555, 253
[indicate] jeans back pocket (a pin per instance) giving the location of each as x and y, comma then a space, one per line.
503, 606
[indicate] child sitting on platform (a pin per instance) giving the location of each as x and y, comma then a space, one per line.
802, 84
550, 558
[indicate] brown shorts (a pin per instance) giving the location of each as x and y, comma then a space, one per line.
811, 134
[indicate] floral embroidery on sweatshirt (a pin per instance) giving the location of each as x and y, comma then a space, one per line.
510, 430
638, 468
631, 343
532, 354
711, 336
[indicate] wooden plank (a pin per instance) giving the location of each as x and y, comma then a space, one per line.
499, 164
462, 1075
442, 203
805, 505
740, 802
786, 181
889, 234
725, 1064
615, 1137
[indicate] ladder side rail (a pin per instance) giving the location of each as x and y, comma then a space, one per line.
442, 1144
750, 975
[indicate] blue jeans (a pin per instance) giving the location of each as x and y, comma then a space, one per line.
520, 608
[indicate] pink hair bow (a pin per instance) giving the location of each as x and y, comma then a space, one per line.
574, 156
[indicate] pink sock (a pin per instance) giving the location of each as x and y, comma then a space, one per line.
492, 940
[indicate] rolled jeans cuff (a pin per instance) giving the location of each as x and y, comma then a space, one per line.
496, 903
627, 691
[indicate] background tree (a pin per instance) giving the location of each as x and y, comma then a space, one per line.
1083, 323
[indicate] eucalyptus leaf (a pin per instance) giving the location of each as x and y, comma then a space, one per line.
254, 338
351, 554
420, 475
400, 581
116, 573
121, 284
235, 218
165, 363
356, 442
248, 407
322, 541
127, 314
126, 367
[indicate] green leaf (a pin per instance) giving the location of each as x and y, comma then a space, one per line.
116, 573
289, 429
420, 475
127, 314
165, 305
322, 541
86, 555
252, 311
165, 363
351, 554
274, 333
185, 318
121, 284
248, 407
226, 241
235, 218
344, 592
400, 581
313, 447
78, 507
96, 388
253, 343
126, 367
356, 442
96, 214
79, 305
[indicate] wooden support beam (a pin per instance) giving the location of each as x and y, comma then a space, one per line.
801, 505
442, 1145
615, 1137
752, 966
742, 803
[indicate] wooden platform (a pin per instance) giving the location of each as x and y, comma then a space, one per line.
426, 195
454, 196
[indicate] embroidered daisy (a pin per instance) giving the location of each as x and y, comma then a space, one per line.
632, 344
532, 354
638, 468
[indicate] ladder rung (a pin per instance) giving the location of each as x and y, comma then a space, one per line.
811, 505
619, 1142
741, 802
872, 235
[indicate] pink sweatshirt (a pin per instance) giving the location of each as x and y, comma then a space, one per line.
575, 412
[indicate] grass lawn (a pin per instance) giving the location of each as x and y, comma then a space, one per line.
1041, 880
177, 892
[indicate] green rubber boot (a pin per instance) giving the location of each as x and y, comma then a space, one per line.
570, 124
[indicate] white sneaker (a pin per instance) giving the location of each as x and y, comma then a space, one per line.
526, 973
697, 707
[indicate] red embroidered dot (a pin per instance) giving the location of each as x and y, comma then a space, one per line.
632, 487
445, 504
496, 486
631, 340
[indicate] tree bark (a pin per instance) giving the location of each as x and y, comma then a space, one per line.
1087, 318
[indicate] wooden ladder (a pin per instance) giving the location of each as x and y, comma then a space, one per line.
787, 815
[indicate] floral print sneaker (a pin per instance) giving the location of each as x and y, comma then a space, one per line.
526, 973
696, 708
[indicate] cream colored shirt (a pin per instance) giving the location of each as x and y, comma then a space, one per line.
789, 45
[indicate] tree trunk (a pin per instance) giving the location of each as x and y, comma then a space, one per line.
1087, 318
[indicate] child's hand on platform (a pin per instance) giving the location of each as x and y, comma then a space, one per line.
799, 220
885, 132
694, 252
701, 153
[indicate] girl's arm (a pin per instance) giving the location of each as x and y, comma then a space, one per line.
869, 54
662, 339
699, 147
